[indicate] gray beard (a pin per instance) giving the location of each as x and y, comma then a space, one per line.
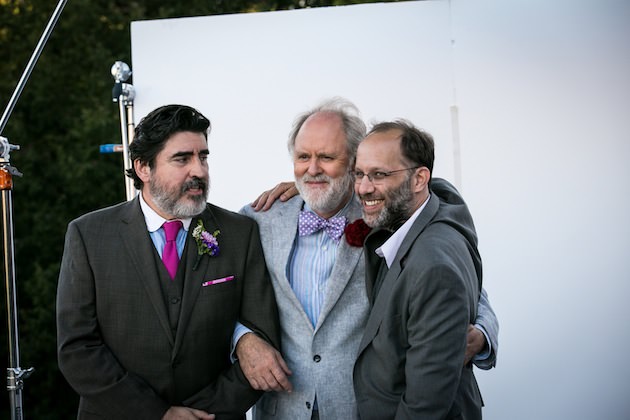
329, 200
170, 202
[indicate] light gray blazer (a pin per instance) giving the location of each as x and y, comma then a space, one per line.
321, 359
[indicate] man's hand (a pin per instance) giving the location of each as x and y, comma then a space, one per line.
475, 343
282, 191
262, 365
185, 413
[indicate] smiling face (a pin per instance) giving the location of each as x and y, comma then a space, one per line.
177, 185
392, 200
321, 164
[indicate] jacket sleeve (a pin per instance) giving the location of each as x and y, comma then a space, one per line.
259, 313
86, 362
487, 319
437, 326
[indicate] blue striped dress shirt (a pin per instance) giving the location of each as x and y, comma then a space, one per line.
309, 268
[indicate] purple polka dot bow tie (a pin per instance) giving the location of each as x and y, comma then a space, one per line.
310, 223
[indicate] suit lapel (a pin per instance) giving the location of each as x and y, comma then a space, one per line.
345, 262
138, 245
382, 300
374, 240
284, 234
284, 231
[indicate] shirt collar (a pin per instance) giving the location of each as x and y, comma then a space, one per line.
153, 220
391, 246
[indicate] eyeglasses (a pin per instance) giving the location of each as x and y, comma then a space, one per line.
377, 176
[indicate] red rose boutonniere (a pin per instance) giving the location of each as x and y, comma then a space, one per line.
356, 232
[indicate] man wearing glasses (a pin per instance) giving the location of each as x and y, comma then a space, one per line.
313, 245
423, 280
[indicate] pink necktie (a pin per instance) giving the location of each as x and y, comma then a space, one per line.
169, 253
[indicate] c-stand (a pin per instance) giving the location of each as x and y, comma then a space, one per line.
15, 374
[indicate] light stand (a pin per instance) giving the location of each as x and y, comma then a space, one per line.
124, 94
15, 374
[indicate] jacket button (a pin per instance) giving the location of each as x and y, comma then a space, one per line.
317, 358
308, 405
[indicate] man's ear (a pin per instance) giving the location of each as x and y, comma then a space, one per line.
142, 170
421, 179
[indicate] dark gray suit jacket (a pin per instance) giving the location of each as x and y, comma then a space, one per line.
116, 345
411, 357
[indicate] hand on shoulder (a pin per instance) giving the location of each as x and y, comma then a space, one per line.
283, 191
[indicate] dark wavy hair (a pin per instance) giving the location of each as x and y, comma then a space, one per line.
157, 127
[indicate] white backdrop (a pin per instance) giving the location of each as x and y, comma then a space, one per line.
251, 74
528, 102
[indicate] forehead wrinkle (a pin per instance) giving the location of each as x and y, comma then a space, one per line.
327, 152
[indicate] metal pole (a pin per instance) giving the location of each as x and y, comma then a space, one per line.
125, 144
124, 94
15, 374
131, 190
31, 64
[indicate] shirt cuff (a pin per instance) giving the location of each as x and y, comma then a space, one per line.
239, 331
487, 351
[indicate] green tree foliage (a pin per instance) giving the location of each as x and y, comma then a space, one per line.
64, 113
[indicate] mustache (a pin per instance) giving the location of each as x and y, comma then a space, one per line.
195, 183
316, 178
368, 196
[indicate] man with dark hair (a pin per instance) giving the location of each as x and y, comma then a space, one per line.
150, 290
423, 280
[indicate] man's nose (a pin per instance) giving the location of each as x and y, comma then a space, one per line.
314, 168
364, 185
199, 167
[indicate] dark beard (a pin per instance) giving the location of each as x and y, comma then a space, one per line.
399, 207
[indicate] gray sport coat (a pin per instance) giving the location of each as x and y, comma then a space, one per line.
411, 357
321, 358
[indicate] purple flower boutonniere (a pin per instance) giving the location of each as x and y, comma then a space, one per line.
206, 243
356, 232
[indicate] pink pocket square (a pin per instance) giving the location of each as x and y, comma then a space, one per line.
217, 281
